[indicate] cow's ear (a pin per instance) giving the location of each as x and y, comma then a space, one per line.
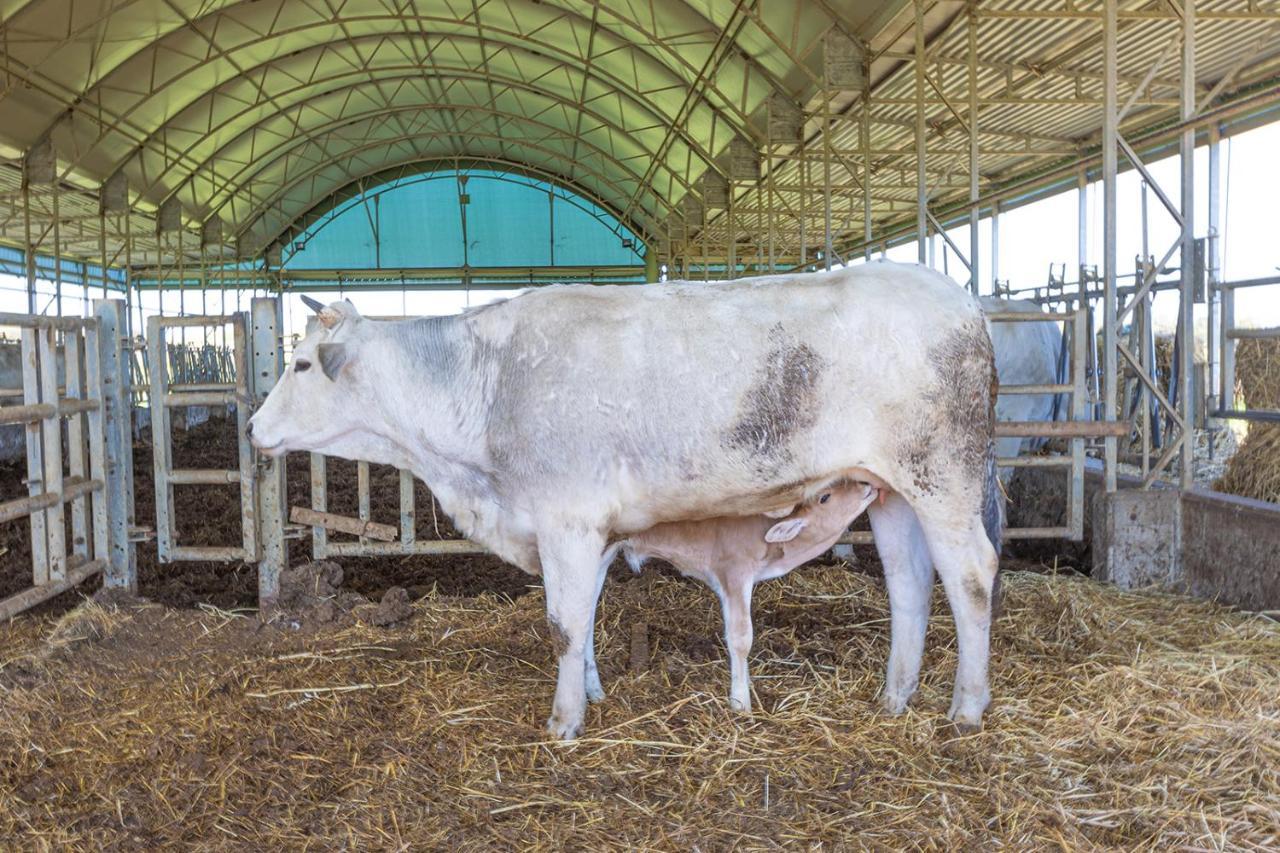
333, 357
785, 531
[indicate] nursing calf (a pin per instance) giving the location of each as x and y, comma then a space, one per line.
731, 555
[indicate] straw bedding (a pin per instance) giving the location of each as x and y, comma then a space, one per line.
1144, 720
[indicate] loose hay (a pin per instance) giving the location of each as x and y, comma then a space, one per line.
1254, 470
1139, 720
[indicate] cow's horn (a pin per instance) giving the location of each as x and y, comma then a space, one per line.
314, 304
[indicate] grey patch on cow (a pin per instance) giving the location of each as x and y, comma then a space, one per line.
559, 637
782, 401
957, 419
979, 595
333, 357
965, 396
997, 598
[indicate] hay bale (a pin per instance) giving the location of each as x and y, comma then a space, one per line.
1258, 372
1254, 470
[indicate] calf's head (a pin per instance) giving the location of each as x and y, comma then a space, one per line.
322, 401
826, 515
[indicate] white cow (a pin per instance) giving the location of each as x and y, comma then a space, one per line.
570, 417
1026, 354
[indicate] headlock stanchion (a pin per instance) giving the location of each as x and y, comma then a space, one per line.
89, 479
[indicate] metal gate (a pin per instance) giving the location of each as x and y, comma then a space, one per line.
257, 362
91, 481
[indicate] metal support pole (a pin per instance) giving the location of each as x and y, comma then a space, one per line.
864, 134
121, 571
922, 210
995, 248
1187, 155
974, 264
1214, 274
1082, 227
57, 257
826, 179
28, 250
268, 364
1109, 164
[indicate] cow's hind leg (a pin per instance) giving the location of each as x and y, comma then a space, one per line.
908, 577
571, 564
966, 562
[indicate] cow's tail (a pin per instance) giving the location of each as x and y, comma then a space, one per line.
993, 521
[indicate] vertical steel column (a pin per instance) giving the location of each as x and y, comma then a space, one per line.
35, 456
826, 178
408, 511
1109, 271
731, 250
995, 247
76, 467
161, 439
243, 367
864, 140
1079, 400
97, 391
974, 264
319, 502
57, 252
1082, 230
362, 495
922, 201
1215, 339
51, 427
1186, 317
115, 352
268, 363
28, 250
804, 200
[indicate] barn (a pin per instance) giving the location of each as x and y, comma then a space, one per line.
205, 644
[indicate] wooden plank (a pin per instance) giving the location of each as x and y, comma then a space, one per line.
343, 524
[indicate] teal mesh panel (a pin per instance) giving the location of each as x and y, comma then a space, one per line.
510, 221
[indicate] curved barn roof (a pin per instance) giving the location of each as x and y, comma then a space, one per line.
252, 113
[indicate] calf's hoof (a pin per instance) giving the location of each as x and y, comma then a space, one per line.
595, 693
740, 706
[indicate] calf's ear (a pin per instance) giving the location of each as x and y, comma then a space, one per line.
333, 357
785, 531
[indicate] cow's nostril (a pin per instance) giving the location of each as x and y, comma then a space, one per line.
248, 429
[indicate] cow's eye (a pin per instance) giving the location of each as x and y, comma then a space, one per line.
301, 364
824, 498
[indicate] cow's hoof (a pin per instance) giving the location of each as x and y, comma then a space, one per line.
564, 729
595, 692
740, 706
894, 704
966, 716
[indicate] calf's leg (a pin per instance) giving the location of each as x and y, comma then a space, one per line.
908, 577
571, 564
735, 602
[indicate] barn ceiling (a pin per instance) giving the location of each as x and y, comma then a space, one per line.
247, 115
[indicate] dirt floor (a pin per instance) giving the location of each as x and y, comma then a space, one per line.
1139, 721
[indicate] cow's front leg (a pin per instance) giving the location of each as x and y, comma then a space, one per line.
570, 565
739, 633
595, 690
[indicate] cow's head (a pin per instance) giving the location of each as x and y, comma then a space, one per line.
322, 401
